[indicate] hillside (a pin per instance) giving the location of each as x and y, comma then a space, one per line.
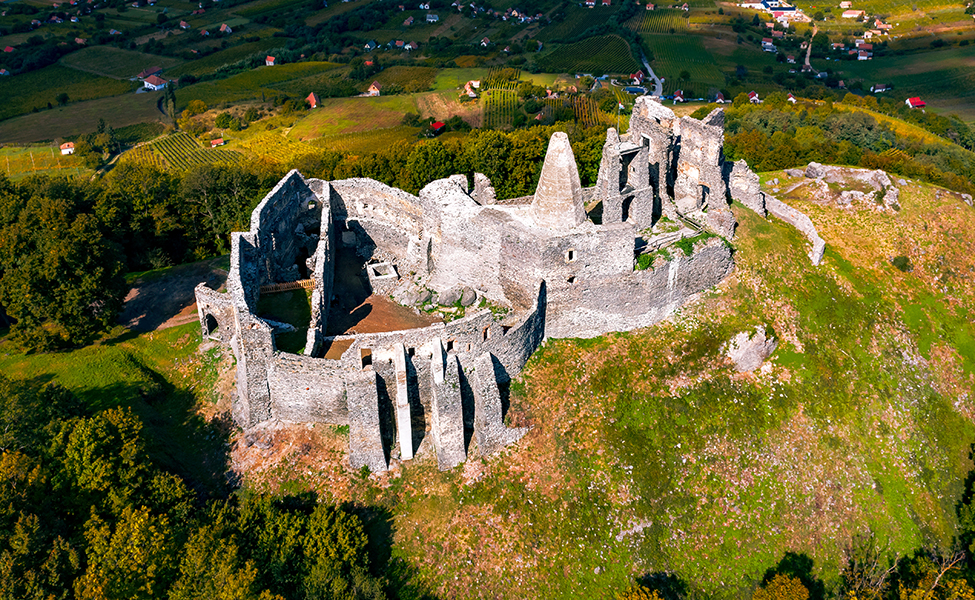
650, 454
650, 457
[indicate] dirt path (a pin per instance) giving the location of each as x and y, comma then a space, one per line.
163, 300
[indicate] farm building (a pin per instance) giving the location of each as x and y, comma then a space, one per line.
313, 100
67, 148
149, 72
408, 21
8, 49
269, 61
4, 72
226, 29
184, 25
374, 89
370, 46
852, 14
154, 83
431, 18
719, 98
753, 97
915, 102
217, 142
205, 33
485, 42
678, 96
880, 87
437, 127
791, 98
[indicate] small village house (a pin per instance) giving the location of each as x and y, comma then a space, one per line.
67, 148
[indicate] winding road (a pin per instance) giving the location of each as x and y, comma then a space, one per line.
658, 86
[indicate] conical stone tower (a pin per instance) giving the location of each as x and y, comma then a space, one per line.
558, 198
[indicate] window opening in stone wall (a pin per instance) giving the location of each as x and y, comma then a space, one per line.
570, 255
212, 324
487, 333
366, 355
571, 280
505, 329
470, 347
450, 345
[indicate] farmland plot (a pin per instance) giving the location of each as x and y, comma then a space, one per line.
143, 155
401, 136
500, 105
663, 20
601, 54
674, 54
24, 92
19, 161
181, 152
115, 62
276, 147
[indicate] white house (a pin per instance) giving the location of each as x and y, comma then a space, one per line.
154, 83
67, 148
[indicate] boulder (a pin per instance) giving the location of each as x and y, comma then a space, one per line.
794, 172
967, 199
424, 296
892, 198
748, 350
467, 296
449, 297
815, 171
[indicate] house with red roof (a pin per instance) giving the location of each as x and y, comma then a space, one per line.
753, 97
678, 96
791, 98
8, 49
67, 148
269, 61
149, 72
153, 83
437, 127
915, 102
313, 100
217, 142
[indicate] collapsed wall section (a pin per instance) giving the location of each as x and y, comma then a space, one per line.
323, 273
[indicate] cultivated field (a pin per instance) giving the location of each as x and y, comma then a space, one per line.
674, 54
275, 146
17, 162
366, 142
117, 63
577, 21
500, 105
249, 85
350, 115
180, 151
663, 20
36, 89
211, 63
945, 79
82, 117
409, 79
602, 54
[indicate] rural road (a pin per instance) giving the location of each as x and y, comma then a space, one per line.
658, 87
809, 46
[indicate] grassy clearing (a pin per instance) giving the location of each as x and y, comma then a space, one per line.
19, 162
603, 54
82, 117
451, 79
349, 115
365, 142
117, 63
36, 89
162, 376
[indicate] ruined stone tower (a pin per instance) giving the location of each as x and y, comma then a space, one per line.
557, 203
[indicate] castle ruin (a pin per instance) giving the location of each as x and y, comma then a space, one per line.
542, 266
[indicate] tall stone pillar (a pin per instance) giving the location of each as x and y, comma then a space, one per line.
557, 203
446, 410
404, 424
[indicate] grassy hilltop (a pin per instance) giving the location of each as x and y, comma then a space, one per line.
648, 453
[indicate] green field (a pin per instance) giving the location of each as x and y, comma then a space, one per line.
82, 117
603, 54
408, 79
25, 92
350, 115
452, 79
117, 63
577, 21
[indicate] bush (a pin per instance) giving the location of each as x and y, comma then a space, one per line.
903, 263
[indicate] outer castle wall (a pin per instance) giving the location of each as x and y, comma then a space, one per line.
556, 272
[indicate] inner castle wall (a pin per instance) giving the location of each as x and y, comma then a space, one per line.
558, 272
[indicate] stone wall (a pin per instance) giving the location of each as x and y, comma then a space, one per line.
216, 313
323, 272
305, 389
801, 222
